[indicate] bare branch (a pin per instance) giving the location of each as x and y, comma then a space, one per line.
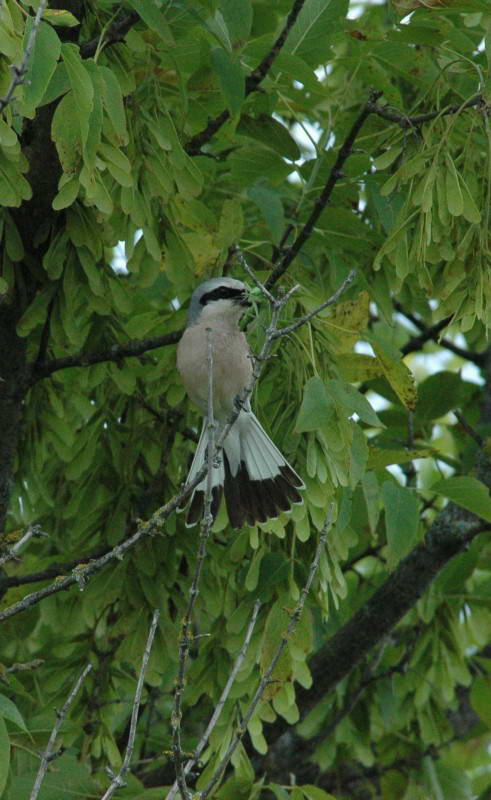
19, 72
195, 144
116, 352
118, 779
12, 552
186, 637
431, 333
405, 122
223, 699
114, 34
49, 754
333, 299
23, 666
294, 618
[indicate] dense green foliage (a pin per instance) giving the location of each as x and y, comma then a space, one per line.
102, 145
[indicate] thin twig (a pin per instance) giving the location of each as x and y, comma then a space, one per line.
405, 122
245, 266
22, 666
186, 637
60, 716
195, 144
333, 299
294, 618
223, 699
20, 71
118, 779
33, 530
432, 333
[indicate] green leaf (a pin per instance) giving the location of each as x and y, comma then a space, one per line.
481, 698
271, 133
315, 407
354, 401
8, 137
81, 84
112, 98
60, 17
8, 710
386, 159
238, 17
401, 520
314, 793
468, 493
42, 64
455, 201
250, 164
314, 29
379, 458
271, 207
35, 313
231, 222
439, 394
231, 78
470, 210
67, 194
4, 756
154, 18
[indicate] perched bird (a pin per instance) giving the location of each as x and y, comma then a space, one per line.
256, 479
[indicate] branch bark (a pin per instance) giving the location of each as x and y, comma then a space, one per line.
450, 534
116, 352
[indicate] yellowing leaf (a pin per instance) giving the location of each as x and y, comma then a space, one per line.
379, 457
399, 376
347, 320
274, 629
356, 367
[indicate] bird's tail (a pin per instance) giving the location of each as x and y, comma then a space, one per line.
257, 480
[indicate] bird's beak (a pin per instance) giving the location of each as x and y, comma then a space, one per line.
244, 301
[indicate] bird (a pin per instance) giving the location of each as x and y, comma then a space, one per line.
256, 479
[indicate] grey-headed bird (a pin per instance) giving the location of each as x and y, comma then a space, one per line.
256, 479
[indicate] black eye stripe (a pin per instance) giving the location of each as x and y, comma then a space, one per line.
222, 293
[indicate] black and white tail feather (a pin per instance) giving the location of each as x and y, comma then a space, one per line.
257, 481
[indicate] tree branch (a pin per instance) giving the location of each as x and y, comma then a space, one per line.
449, 535
19, 72
223, 699
195, 144
427, 333
114, 34
132, 348
49, 753
118, 779
12, 552
405, 122
285, 257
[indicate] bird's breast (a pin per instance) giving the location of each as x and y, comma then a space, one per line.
232, 366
